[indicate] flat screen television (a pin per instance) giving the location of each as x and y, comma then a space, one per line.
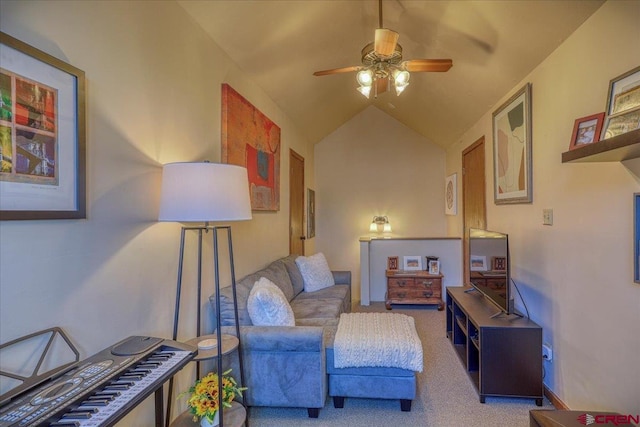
490, 267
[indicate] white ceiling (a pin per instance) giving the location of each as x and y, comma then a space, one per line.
493, 45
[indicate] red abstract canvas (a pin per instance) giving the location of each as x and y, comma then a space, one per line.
251, 139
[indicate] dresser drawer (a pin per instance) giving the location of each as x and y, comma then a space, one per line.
400, 282
412, 293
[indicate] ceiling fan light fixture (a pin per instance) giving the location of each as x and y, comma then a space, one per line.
365, 77
401, 88
365, 91
401, 77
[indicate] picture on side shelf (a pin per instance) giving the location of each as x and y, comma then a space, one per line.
622, 123
434, 267
586, 130
412, 263
392, 263
478, 263
623, 104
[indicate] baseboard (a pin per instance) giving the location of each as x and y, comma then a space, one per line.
555, 400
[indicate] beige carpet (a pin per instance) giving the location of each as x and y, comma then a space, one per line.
445, 394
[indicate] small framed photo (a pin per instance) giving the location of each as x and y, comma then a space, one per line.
498, 263
434, 267
586, 130
412, 262
392, 263
478, 263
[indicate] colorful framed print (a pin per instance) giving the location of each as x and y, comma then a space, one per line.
586, 130
252, 140
512, 165
42, 135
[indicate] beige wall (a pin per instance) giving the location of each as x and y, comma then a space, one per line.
577, 275
375, 165
153, 97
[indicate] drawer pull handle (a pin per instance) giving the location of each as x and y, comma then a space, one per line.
428, 283
428, 294
402, 283
402, 294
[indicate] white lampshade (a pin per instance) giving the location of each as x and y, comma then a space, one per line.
203, 192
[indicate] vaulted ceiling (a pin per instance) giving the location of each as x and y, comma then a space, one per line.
493, 45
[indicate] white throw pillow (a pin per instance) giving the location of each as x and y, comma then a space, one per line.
315, 272
268, 306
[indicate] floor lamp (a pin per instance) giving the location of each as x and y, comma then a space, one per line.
202, 193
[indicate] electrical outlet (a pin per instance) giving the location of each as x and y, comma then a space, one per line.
547, 216
547, 352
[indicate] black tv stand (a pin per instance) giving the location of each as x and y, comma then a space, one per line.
502, 355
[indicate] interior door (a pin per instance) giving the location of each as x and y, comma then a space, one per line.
296, 203
474, 205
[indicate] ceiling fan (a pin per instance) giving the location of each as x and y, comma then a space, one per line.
382, 64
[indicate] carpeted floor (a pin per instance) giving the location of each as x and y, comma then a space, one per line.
445, 394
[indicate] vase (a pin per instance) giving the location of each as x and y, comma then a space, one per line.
204, 421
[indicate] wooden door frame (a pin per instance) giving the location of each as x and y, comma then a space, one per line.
292, 153
465, 238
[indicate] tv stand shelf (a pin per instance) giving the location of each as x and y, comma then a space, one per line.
502, 355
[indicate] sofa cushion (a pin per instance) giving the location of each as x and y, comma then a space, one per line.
268, 306
337, 292
294, 274
277, 273
315, 272
316, 308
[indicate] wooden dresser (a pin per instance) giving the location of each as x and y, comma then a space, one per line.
413, 287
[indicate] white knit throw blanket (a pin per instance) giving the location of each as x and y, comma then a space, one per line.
377, 340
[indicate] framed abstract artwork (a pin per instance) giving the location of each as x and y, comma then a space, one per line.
252, 140
42, 135
512, 149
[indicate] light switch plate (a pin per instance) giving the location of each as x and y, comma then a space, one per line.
547, 216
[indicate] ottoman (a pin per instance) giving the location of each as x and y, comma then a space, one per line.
375, 382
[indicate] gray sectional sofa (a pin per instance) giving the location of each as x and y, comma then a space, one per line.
285, 366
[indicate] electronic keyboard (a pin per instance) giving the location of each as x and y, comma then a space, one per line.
102, 389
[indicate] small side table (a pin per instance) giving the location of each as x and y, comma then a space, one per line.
237, 414
413, 287
233, 417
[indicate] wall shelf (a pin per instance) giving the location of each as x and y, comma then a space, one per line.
616, 149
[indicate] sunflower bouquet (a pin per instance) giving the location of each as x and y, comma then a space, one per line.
204, 397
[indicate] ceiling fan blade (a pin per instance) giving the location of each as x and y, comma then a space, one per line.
337, 70
417, 65
385, 41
